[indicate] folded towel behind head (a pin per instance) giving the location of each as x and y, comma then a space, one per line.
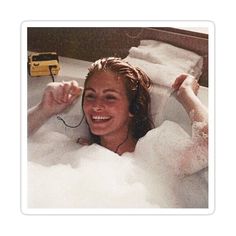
159, 74
159, 97
166, 54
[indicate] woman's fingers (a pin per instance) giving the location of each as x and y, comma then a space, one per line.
185, 80
73, 91
53, 90
195, 87
74, 88
178, 81
64, 92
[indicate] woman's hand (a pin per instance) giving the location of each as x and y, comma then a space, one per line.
58, 96
185, 85
186, 88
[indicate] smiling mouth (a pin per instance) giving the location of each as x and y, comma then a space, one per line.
100, 119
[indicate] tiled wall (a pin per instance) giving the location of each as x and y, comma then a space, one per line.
82, 43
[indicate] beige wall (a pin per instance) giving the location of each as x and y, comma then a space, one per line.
203, 30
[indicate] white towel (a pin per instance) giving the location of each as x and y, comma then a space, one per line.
159, 74
167, 54
159, 97
164, 62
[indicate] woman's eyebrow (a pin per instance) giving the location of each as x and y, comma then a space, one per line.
111, 90
104, 91
89, 89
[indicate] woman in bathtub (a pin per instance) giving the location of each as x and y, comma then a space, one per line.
116, 105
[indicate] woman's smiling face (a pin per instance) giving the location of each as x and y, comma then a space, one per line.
106, 105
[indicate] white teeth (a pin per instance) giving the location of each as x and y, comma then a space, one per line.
100, 117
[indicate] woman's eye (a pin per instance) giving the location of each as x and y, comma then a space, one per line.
89, 97
110, 98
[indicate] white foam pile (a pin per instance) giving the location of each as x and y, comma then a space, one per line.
63, 174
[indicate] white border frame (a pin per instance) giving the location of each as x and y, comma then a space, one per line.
211, 118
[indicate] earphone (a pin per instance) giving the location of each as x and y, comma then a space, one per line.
134, 107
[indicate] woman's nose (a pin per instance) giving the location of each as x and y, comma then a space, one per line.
97, 107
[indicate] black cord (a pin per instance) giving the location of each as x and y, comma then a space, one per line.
75, 126
58, 117
122, 142
70, 126
50, 69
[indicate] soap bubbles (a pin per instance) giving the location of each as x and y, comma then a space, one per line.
64, 174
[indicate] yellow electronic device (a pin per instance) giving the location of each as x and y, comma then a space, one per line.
43, 64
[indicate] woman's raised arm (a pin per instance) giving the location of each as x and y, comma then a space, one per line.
195, 155
186, 88
56, 98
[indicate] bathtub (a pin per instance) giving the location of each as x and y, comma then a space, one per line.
77, 70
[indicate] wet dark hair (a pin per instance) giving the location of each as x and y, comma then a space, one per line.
137, 84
